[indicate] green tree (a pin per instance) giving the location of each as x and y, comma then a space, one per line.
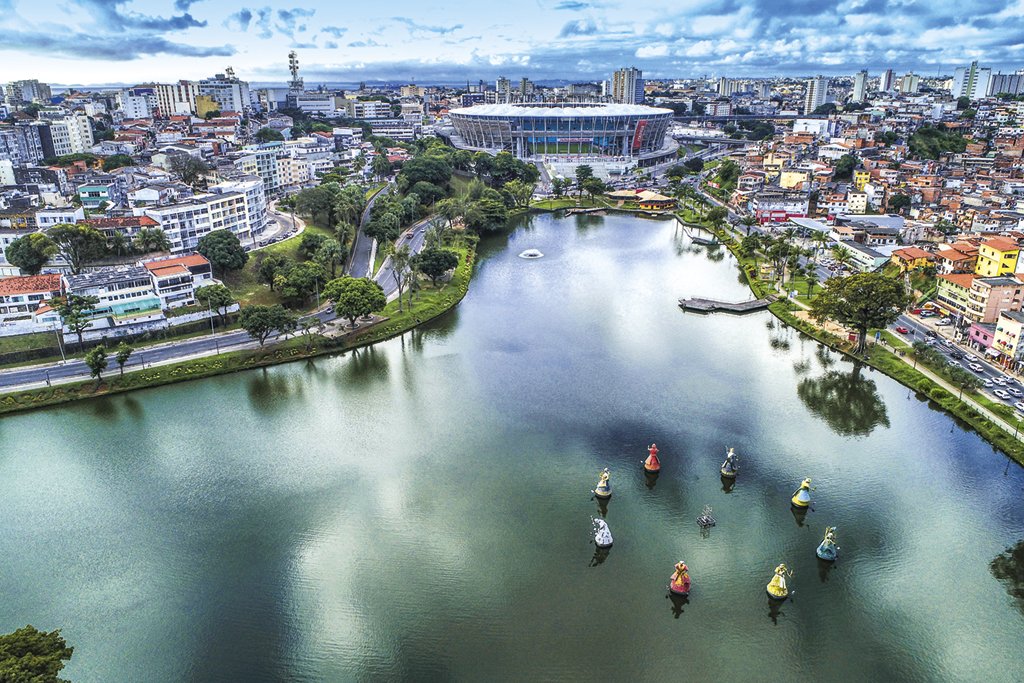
270, 266
189, 169
384, 228
519, 191
717, 215
268, 135
96, 360
354, 297
486, 215
594, 187
898, 202
329, 254
223, 250
844, 167
428, 193
861, 301
217, 298
119, 244
694, 164
963, 103
262, 321
558, 186
117, 161
434, 263
748, 223
151, 239
310, 242
77, 243
381, 166
75, 312
121, 354
32, 656
964, 380
310, 326
31, 252
400, 257
301, 281
583, 171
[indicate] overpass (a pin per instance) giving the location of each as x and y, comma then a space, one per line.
702, 118
713, 140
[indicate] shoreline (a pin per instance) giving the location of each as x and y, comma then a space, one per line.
289, 350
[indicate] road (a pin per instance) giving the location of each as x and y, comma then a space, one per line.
361, 261
917, 330
160, 353
415, 238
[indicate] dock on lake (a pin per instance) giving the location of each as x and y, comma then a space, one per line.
710, 305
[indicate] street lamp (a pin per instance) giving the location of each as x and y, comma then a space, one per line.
213, 334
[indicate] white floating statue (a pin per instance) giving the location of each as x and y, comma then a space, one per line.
602, 534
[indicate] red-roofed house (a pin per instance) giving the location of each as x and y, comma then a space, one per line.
175, 279
909, 258
21, 296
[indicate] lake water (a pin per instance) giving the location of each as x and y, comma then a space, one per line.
421, 509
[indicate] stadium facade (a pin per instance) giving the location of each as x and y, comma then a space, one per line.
625, 132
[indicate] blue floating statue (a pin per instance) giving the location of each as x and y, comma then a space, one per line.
828, 550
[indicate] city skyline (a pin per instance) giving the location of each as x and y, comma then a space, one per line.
117, 41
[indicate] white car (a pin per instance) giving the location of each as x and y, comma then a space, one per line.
1000, 381
1001, 394
1016, 393
987, 384
1019, 405
976, 367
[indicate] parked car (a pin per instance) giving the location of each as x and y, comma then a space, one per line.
987, 384
928, 314
902, 330
1001, 394
916, 311
976, 367
1019, 405
944, 321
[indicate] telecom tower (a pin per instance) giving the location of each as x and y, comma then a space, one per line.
296, 85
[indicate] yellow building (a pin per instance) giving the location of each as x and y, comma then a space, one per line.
997, 256
861, 178
204, 105
793, 179
912, 258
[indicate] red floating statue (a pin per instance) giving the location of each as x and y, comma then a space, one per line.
679, 582
652, 465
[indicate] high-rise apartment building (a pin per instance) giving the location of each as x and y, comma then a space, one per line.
230, 93
814, 93
176, 98
1007, 83
726, 86
887, 81
25, 92
860, 86
628, 86
971, 81
910, 84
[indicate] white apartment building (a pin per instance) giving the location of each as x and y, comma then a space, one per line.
971, 81
177, 98
815, 92
238, 206
47, 218
125, 294
230, 93
372, 109
133, 106
628, 86
254, 200
860, 86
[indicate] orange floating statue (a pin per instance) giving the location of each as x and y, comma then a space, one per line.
652, 465
679, 582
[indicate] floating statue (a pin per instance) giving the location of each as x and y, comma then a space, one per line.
604, 487
679, 582
731, 466
602, 534
828, 550
777, 588
705, 520
802, 496
652, 465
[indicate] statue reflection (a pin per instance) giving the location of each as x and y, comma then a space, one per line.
678, 602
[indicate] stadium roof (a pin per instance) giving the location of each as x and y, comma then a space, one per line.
568, 109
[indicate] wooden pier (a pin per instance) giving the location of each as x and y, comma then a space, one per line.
711, 306
696, 239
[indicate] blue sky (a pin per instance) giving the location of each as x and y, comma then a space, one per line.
123, 41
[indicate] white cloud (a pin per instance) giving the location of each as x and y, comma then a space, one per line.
648, 51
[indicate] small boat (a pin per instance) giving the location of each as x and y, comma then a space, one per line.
679, 582
827, 549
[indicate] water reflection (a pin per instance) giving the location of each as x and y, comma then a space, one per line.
678, 602
364, 363
1009, 568
824, 567
775, 610
270, 390
728, 483
602, 506
799, 514
650, 479
849, 403
600, 555
586, 221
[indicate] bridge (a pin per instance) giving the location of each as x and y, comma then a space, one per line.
713, 140
743, 117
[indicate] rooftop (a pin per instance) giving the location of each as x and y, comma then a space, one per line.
29, 284
106, 277
560, 110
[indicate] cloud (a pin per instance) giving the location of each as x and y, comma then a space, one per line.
571, 5
106, 48
287, 23
648, 51
240, 20
422, 28
267, 22
579, 27
369, 42
184, 5
335, 31
108, 14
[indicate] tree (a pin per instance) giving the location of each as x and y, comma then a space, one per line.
428, 193
329, 255
117, 161
519, 191
75, 312
262, 321
435, 262
558, 186
77, 243
310, 242
826, 109
119, 244
96, 360
270, 266
400, 257
354, 297
963, 103
189, 169
583, 171
122, 353
301, 281
964, 380
151, 239
844, 167
217, 298
309, 326
748, 222
594, 187
223, 250
31, 252
717, 215
384, 228
268, 135
694, 164
381, 166
898, 202
29, 655
861, 301
486, 215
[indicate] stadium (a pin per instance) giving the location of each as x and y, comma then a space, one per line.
630, 133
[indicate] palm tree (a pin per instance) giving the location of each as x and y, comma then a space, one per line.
120, 244
812, 280
748, 222
820, 240
842, 255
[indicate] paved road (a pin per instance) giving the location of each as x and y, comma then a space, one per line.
179, 350
415, 238
361, 261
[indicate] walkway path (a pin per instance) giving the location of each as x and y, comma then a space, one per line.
364, 250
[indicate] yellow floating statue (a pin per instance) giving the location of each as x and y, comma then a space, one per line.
802, 496
604, 486
777, 588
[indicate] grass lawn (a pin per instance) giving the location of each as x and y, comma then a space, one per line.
27, 342
569, 203
245, 283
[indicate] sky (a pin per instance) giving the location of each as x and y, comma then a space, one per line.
85, 42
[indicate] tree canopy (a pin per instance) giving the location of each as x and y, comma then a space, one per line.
217, 298
29, 655
77, 243
117, 161
31, 252
96, 360
262, 321
354, 297
862, 301
223, 250
75, 312
268, 135
435, 262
